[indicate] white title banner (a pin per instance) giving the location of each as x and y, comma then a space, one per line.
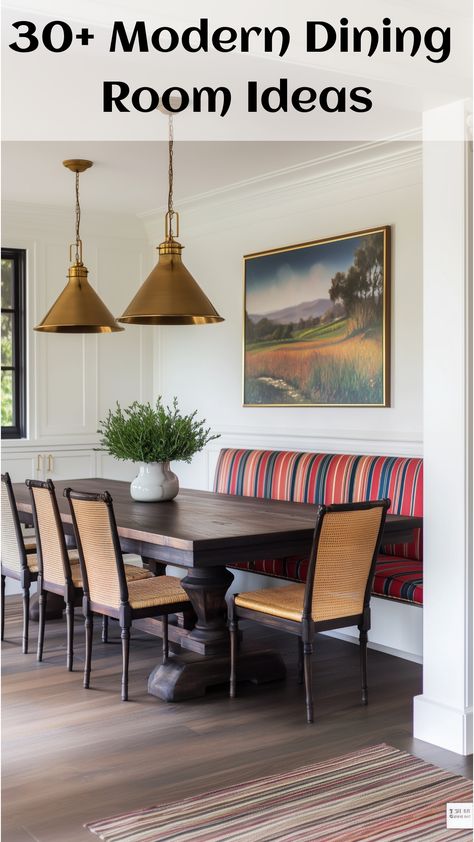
250, 71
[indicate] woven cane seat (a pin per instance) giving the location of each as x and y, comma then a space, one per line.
76, 574
75, 568
287, 602
344, 555
160, 590
32, 562
134, 573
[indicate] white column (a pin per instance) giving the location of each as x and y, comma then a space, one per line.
443, 713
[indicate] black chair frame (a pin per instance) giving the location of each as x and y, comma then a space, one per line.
24, 576
71, 593
306, 628
125, 614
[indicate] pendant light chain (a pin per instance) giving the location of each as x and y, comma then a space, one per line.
170, 295
78, 221
170, 175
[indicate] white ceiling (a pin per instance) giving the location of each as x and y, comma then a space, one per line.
132, 177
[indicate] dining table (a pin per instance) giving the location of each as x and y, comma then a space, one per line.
204, 532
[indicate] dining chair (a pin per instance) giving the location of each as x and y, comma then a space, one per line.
336, 594
106, 590
19, 560
59, 570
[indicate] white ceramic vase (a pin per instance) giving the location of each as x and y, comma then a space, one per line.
154, 483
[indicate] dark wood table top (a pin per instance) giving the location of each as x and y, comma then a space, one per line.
202, 528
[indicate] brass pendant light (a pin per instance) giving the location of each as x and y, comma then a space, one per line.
170, 295
78, 309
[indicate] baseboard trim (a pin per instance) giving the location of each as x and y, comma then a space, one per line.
442, 725
378, 647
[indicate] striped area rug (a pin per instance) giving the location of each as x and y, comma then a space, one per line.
378, 794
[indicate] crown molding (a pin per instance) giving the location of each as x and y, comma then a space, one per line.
366, 173
358, 162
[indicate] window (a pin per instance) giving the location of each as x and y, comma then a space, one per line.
13, 344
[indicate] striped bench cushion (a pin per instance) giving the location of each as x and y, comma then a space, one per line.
399, 578
395, 578
333, 478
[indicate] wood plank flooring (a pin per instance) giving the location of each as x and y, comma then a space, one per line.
72, 755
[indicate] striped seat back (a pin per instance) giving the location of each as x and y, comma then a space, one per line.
53, 557
326, 478
95, 543
13, 551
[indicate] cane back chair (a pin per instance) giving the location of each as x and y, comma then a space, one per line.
58, 568
19, 559
336, 594
106, 590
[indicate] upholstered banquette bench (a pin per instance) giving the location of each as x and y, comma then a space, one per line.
333, 478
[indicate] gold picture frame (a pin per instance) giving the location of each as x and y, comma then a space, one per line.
317, 323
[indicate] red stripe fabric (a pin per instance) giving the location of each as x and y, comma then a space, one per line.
333, 478
395, 578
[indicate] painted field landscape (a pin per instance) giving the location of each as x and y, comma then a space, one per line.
314, 323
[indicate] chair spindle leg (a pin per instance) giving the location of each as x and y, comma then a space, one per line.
307, 653
363, 665
300, 661
125, 635
42, 599
26, 618
70, 635
89, 628
3, 606
105, 629
165, 638
234, 643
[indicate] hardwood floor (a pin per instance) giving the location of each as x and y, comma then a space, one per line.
72, 755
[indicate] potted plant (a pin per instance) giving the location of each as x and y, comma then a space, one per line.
153, 436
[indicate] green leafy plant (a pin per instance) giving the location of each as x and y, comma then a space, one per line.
145, 433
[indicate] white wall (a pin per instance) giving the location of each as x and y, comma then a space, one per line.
203, 365
443, 713
74, 379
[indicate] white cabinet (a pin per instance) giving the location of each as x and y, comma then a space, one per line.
52, 464
70, 464
57, 464
20, 466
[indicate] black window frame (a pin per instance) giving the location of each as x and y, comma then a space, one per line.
18, 367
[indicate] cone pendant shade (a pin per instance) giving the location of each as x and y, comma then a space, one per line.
170, 295
78, 309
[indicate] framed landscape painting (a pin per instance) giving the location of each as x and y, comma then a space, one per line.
317, 323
